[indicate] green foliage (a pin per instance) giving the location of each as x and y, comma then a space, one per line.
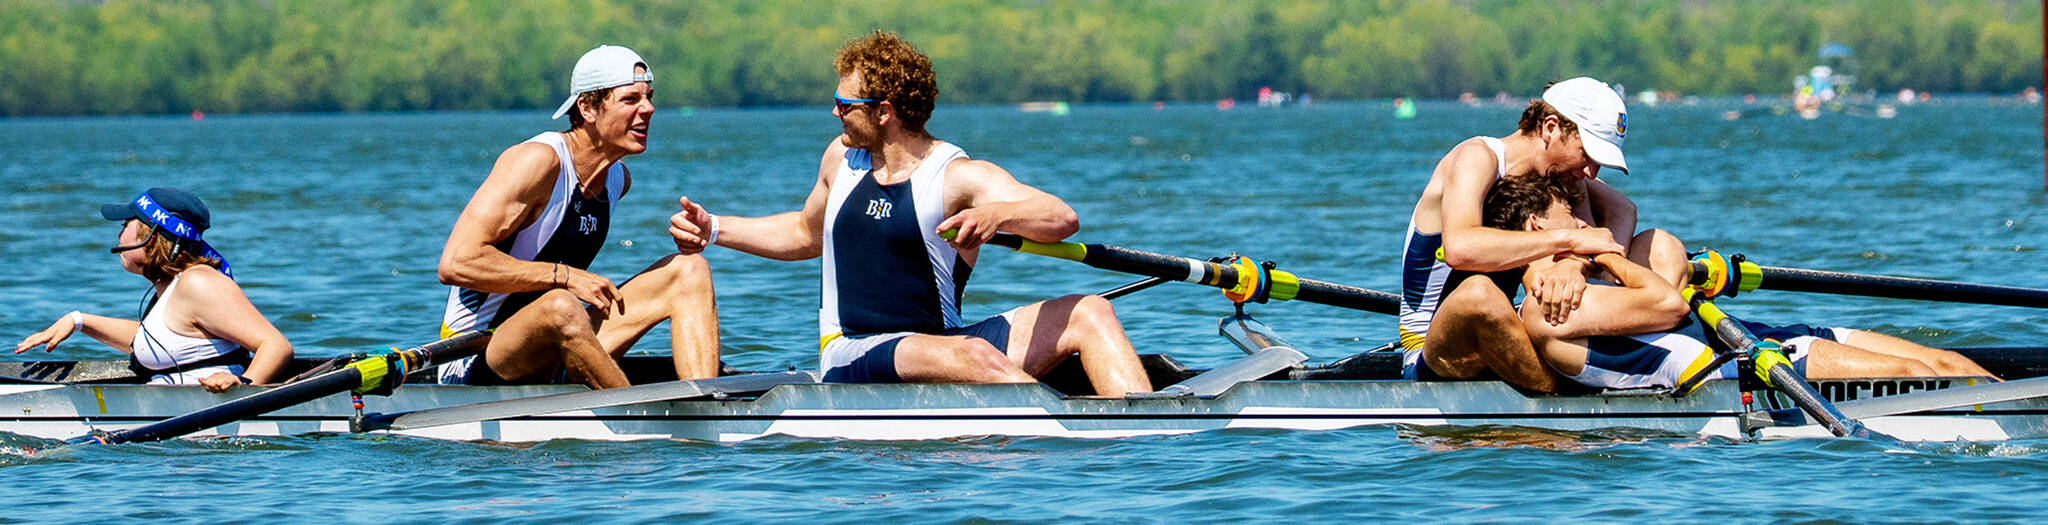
126, 57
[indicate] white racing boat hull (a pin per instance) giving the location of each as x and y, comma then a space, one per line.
912, 412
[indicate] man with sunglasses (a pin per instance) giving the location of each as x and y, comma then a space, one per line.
517, 259
884, 192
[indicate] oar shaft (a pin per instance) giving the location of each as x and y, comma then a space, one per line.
261, 403
360, 375
1185, 269
1782, 376
1815, 281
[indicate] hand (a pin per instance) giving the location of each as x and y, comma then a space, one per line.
690, 227
976, 225
48, 338
592, 288
1558, 289
220, 382
1593, 241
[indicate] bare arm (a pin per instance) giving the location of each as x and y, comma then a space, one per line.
217, 306
509, 199
983, 198
1642, 303
115, 332
1609, 209
1468, 172
787, 236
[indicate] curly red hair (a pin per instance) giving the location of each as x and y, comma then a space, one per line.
894, 71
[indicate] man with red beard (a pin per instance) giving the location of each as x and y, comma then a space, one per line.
885, 190
517, 259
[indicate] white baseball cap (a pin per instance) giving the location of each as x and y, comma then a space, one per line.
1598, 112
604, 67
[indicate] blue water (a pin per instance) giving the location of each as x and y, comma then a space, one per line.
334, 224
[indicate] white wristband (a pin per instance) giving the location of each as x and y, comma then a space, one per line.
77, 321
712, 239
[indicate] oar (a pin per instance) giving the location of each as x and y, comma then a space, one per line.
1281, 285
369, 374
1773, 367
1739, 275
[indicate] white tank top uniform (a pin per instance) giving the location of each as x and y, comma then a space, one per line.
175, 359
887, 272
570, 230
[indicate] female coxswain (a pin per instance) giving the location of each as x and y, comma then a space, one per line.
197, 327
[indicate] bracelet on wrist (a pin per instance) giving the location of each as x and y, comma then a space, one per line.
712, 239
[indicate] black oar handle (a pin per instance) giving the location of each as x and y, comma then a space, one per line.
1815, 281
1287, 287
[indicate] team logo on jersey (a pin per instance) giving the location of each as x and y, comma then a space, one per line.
586, 224
879, 208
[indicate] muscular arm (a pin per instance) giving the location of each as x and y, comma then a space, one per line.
218, 307
1466, 175
983, 198
1609, 209
509, 199
787, 236
1642, 303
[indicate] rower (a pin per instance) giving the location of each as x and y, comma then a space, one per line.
197, 326
517, 260
1458, 322
1638, 331
884, 192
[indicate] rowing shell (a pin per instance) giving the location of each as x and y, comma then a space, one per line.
901, 412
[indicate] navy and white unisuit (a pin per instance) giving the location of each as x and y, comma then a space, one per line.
570, 231
1662, 359
1425, 277
887, 272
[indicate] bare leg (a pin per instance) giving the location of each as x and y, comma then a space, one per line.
954, 359
1831, 360
1045, 333
1476, 329
1943, 362
553, 332
1661, 252
676, 288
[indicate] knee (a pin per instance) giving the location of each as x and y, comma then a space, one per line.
679, 274
1478, 299
563, 312
1094, 311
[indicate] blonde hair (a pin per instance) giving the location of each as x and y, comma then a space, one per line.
163, 259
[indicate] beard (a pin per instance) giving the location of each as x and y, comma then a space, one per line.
862, 133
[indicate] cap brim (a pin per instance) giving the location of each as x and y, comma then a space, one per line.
117, 212
1603, 152
566, 106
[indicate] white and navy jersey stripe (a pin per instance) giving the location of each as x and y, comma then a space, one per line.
1662, 359
885, 267
1656, 359
570, 230
1423, 272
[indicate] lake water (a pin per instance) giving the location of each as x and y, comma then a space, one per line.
334, 224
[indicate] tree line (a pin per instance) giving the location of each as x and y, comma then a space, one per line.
140, 57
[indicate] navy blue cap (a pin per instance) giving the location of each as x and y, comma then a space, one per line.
180, 203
